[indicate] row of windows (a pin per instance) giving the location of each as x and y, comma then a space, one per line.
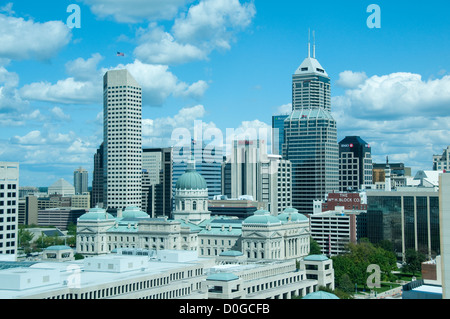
10, 186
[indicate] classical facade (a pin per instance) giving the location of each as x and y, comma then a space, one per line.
261, 236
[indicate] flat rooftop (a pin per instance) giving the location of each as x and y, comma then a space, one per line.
61, 273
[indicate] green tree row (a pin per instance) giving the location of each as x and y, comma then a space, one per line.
27, 243
350, 268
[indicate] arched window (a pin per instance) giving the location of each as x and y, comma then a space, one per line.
183, 205
194, 205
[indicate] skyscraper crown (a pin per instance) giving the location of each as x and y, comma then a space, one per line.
310, 64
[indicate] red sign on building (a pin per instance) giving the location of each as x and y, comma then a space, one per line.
348, 200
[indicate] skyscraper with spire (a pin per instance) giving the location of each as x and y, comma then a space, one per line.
310, 135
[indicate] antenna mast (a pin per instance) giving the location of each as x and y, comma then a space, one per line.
314, 45
309, 43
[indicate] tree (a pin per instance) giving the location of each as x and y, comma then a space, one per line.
413, 261
314, 247
25, 238
355, 261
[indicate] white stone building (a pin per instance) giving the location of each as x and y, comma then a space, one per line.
262, 236
9, 208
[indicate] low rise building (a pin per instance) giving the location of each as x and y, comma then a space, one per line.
161, 274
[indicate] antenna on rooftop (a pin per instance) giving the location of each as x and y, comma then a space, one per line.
309, 43
314, 45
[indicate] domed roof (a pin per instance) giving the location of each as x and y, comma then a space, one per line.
96, 214
134, 212
191, 179
261, 217
291, 214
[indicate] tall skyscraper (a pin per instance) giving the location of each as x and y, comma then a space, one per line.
80, 180
122, 134
157, 163
310, 136
97, 179
355, 164
9, 208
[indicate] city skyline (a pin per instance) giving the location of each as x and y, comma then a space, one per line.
390, 86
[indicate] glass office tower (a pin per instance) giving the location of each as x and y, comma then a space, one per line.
278, 133
310, 137
408, 219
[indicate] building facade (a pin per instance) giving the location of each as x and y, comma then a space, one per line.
311, 147
278, 133
250, 171
442, 161
97, 179
158, 163
122, 134
333, 230
80, 181
260, 236
9, 207
61, 187
355, 164
444, 227
408, 218
163, 274
310, 136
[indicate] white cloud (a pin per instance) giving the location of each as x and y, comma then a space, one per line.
133, 11
10, 100
350, 79
207, 26
84, 86
25, 39
7, 8
284, 109
159, 47
398, 95
59, 114
158, 132
213, 21
65, 91
399, 115
32, 138
158, 83
83, 70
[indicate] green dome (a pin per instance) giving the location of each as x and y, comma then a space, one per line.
292, 214
96, 214
261, 217
134, 212
191, 180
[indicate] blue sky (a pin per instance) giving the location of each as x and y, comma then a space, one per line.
226, 63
